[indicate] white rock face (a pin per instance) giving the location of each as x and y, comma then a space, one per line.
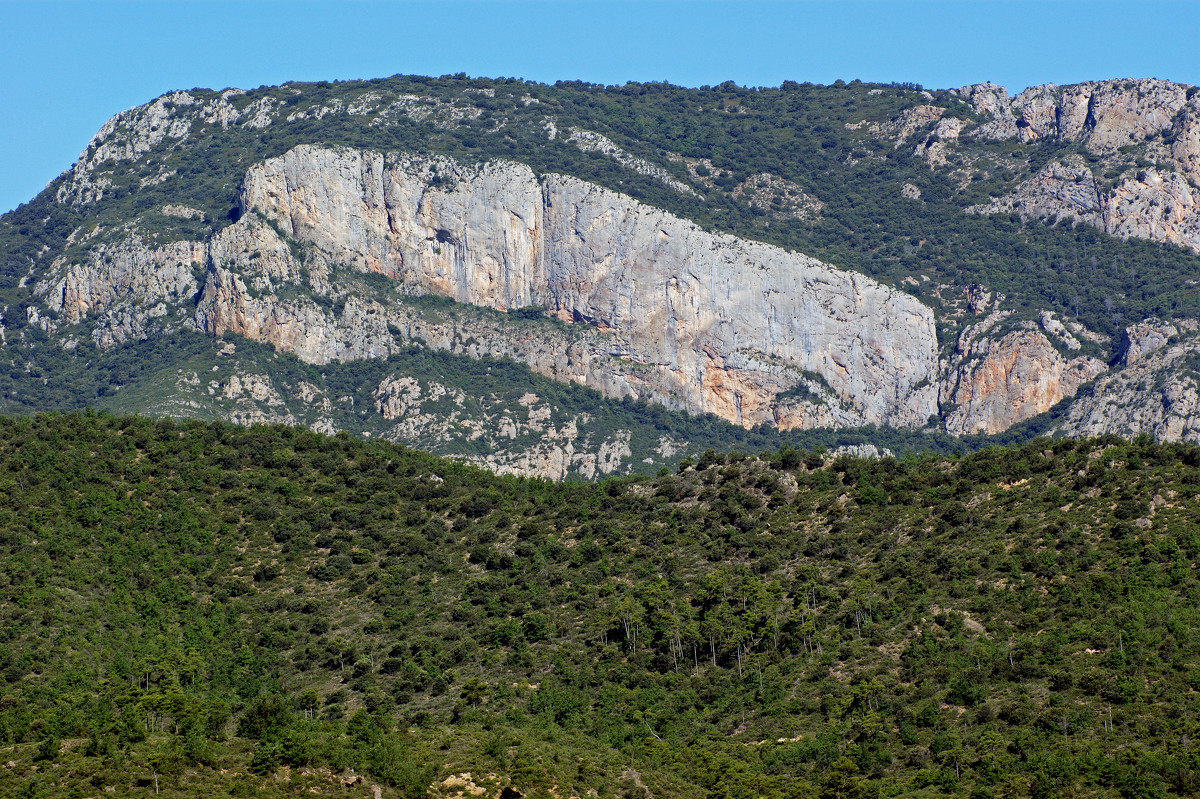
1185, 148
992, 100
861, 451
719, 323
127, 270
396, 397
124, 285
1103, 115
1162, 203
909, 122
1146, 337
300, 327
661, 309
1154, 205
1157, 393
938, 143
1051, 324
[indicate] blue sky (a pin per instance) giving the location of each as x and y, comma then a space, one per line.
68, 66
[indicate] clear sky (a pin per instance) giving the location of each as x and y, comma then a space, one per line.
69, 66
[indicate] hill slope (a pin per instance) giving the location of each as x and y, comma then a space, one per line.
200, 608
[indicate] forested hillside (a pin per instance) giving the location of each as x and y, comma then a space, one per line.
202, 609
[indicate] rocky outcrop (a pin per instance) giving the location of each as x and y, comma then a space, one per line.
717, 323
250, 266
993, 382
302, 327
124, 286
861, 451
591, 142
255, 400
254, 249
1157, 206
1185, 140
1051, 324
938, 144
1102, 115
655, 306
130, 269
651, 305
908, 123
991, 100
556, 460
1062, 189
1155, 196
137, 131
1144, 338
1158, 392
530, 440
1160, 202
1154, 205
528, 435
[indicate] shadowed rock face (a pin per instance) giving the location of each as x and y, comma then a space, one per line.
719, 324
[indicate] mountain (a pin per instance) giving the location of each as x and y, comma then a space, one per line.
201, 609
855, 257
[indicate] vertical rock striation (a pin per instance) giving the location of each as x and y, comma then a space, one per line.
1162, 119
718, 323
994, 381
1158, 391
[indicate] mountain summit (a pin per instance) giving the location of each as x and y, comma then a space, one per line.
794, 259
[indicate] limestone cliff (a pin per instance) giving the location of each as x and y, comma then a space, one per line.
125, 285
1154, 205
335, 247
716, 323
994, 381
1157, 118
1158, 391
1104, 116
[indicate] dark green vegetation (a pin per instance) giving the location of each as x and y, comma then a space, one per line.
201, 609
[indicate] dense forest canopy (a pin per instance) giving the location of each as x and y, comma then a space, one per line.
198, 608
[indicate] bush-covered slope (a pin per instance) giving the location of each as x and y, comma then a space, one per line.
203, 609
